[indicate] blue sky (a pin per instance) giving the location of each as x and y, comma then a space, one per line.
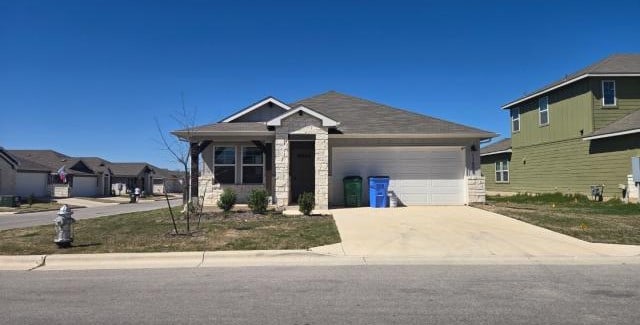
87, 78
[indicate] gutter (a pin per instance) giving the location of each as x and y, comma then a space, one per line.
495, 152
414, 136
610, 135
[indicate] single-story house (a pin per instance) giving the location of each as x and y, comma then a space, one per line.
101, 168
167, 181
312, 144
128, 176
38, 175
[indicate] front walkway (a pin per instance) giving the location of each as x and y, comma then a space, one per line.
452, 232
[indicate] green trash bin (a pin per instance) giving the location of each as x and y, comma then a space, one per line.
352, 191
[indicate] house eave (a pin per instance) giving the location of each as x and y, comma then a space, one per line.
198, 134
610, 135
326, 121
495, 153
412, 135
256, 106
570, 81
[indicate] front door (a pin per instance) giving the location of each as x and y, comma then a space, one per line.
301, 168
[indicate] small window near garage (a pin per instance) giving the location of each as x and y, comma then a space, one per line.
515, 119
543, 111
608, 93
225, 165
252, 165
502, 171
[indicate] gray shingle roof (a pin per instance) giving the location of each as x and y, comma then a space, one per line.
627, 123
227, 127
6, 156
615, 64
49, 160
128, 169
361, 116
97, 164
502, 145
357, 116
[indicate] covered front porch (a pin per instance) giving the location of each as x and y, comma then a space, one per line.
286, 156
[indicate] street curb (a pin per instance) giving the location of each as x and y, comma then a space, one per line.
21, 262
121, 261
218, 259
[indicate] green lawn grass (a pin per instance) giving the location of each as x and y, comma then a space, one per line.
574, 215
152, 231
35, 207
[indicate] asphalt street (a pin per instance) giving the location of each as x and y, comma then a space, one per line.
11, 221
537, 294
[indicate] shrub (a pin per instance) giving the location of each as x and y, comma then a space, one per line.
227, 200
258, 200
307, 202
30, 200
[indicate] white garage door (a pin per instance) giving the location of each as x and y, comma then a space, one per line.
32, 184
418, 175
84, 186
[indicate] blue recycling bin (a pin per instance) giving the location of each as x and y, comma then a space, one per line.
378, 186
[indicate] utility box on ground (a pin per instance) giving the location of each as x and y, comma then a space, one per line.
635, 169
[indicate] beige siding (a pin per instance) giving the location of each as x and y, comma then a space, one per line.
628, 100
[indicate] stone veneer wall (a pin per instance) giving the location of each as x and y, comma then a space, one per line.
59, 190
213, 191
304, 124
475, 189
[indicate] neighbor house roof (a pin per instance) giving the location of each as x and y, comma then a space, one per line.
11, 160
629, 124
502, 146
97, 164
614, 65
51, 161
128, 169
165, 173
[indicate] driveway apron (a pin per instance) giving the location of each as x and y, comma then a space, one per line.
456, 231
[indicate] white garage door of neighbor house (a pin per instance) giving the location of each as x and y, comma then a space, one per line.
32, 184
84, 186
418, 175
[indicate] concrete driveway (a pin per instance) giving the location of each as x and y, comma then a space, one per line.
455, 231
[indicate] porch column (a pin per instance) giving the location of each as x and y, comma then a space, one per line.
195, 160
282, 167
322, 170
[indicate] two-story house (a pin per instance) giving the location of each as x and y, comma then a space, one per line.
576, 132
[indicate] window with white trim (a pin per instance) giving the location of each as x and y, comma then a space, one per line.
252, 165
543, 111
224, 168
609, 93
515, 119
502, 171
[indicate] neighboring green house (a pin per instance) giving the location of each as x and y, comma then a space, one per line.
574, 133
